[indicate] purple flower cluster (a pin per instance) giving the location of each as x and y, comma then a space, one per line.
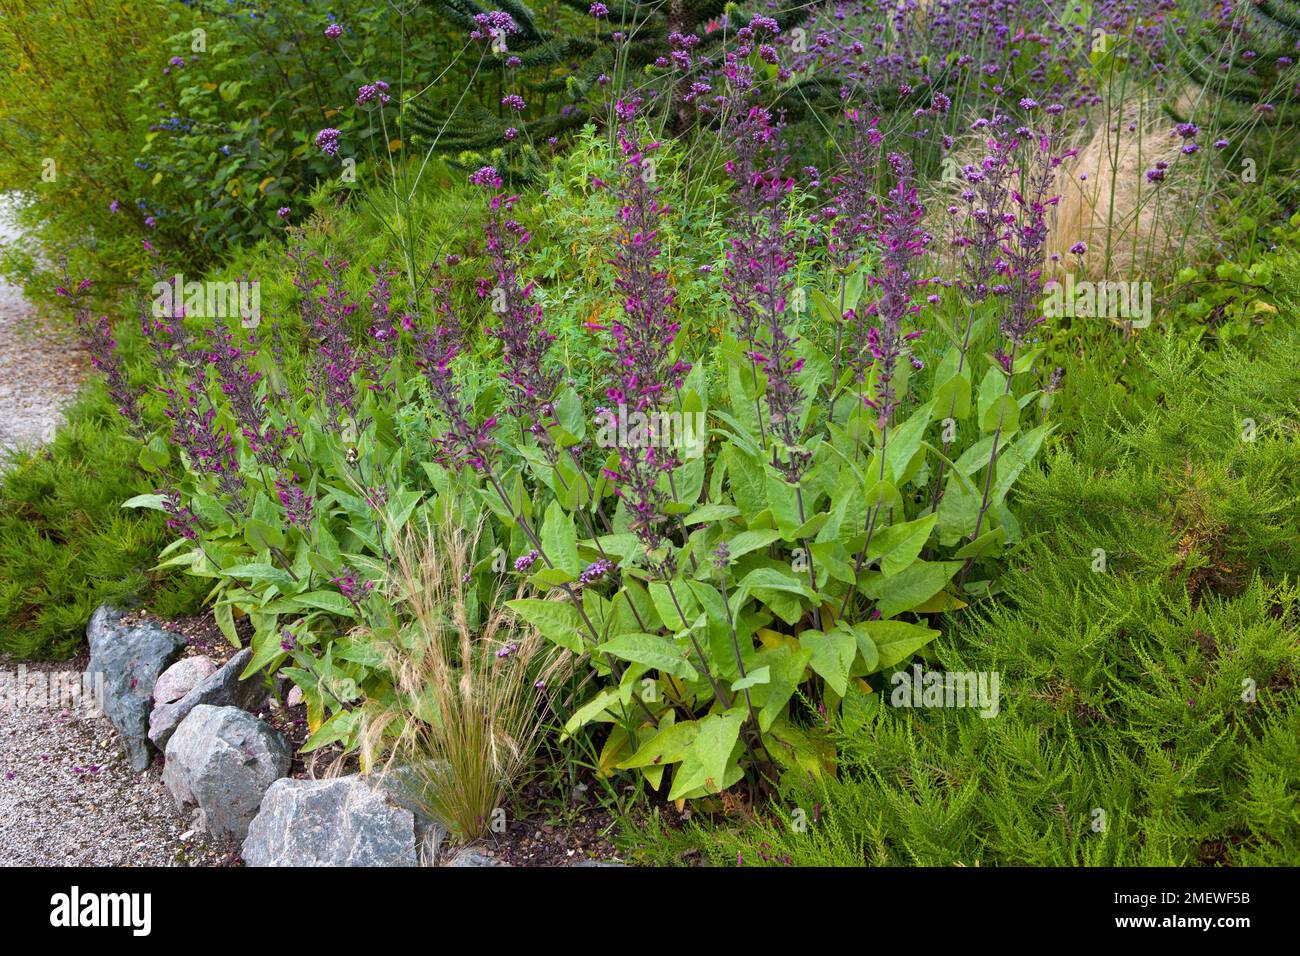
327, 141
644, 336
352, 589
97, 339
369, 93
759, 261
461, 442
327, 312
902, 240
494, 25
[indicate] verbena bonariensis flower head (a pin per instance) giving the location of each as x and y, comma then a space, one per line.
902, 240
645, 370
461, 441
524, 338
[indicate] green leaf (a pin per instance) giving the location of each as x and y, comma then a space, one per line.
748, 541
569, 413
1003, 413
560, 539
669, 745
832, 655
154, 455
708, 514
905, 590
653, 651
331, 601
558, 621
760, 675
261, 534
674, 618
145, 501
899, 545
706, 762
896, 641
592, 709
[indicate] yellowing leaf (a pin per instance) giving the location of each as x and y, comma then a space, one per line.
773, 639
943, 601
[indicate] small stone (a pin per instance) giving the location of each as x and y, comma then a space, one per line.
179, 679
222, 760
221, 688
472, 857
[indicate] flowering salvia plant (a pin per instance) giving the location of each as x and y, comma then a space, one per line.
736, 542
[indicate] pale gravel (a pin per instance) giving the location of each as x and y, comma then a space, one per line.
69, 798
41, 366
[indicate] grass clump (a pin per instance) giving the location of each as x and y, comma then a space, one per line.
469, 685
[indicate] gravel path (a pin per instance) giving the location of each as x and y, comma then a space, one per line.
41, 366
69, 798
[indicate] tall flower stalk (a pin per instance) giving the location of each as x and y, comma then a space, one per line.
902, 240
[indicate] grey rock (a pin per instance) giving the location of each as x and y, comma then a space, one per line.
403, 786
346, 821
472, 857
179, 679
221, 688
223, 760
129, 660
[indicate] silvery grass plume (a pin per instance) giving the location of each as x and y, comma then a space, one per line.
471, 684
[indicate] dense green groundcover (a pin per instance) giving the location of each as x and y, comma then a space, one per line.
1160, 691
66, 545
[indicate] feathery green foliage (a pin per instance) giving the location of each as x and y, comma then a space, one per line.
66, 545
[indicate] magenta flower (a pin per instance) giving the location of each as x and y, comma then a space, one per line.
334, 31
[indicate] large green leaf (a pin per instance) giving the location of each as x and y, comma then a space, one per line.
558, 621
560, 539
895, 641
653, 651
832, 655
706, 763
